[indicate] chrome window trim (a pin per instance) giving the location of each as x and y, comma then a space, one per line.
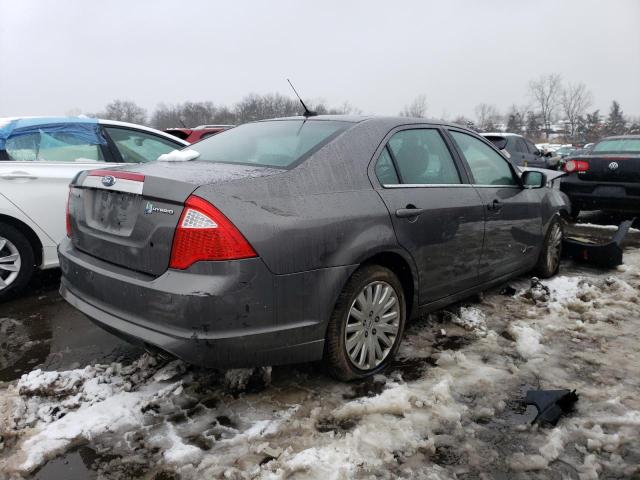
453, 185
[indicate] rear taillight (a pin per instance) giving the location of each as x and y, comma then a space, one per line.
67, 215
576, 166
204, 233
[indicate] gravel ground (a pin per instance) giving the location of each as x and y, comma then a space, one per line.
76, 403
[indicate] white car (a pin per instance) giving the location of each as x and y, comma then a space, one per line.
39, 156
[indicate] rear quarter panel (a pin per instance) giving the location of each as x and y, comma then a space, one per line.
323, 213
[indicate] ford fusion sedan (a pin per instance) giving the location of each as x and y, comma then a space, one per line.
300, 239
38, 158
605, 178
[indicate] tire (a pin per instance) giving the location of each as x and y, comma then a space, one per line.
367, 283
549, 260
574, 212
14, 244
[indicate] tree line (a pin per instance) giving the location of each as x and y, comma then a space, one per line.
550, 101
190, 114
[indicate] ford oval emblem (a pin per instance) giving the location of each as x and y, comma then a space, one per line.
108, 181
613, 166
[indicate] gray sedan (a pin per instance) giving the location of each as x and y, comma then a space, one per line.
300, 239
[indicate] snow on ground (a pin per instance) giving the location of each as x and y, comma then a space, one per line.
451, 407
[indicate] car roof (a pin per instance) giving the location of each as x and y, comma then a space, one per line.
619, 137
116, 123
500, 134
371, 119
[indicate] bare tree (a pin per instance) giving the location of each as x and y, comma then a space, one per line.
575, 100
417, 108
545, 92
516, 118
124, 111
487, 117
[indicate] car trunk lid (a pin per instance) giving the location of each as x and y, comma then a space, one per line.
129, 217
611, 168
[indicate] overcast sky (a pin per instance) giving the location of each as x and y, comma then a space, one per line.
56, 56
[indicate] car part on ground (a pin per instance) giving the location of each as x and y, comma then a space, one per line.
603, 255
39, 156
551, 404
239, 257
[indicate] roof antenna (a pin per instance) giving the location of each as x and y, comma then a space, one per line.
307, 112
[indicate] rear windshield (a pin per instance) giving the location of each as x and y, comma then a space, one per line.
617, 145
278, 143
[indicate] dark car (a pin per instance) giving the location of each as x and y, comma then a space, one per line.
193, 135
297, 239
605, 178
522, 152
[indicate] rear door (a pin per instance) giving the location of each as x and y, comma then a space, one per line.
513, 229
40, 164
438, 217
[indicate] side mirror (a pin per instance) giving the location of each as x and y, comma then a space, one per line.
533, 179
538, 153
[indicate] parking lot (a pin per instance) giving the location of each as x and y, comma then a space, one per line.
76, 403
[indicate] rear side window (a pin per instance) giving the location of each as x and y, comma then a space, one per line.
521, 146
278, 144
422, 158
618, 145
385, 171
487, 166
139, 147
53, 144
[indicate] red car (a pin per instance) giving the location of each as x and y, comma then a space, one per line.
196, 134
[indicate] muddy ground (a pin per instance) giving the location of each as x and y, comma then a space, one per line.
77, 403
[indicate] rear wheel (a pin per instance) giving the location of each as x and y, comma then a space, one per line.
549, 261
367, 324
16, 261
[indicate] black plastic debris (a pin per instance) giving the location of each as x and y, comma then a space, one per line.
551, 404
508, 291
607, 255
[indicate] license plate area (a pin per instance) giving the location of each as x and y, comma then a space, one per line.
112, 212
610, 191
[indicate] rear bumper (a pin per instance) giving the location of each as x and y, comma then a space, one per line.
588, 195
215, 314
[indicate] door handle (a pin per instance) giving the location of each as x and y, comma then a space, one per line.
495, 206
409, 212
18, 176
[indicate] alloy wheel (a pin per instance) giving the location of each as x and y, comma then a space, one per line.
372, 326
554, 248
9, 263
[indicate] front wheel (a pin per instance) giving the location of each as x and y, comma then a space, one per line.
16, 261
549, 260
367, 324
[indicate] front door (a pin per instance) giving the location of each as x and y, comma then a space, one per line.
513, 230
438, 216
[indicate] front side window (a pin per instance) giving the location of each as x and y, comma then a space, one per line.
54, 144
487, 166
139, 147
423, 158
277, 143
